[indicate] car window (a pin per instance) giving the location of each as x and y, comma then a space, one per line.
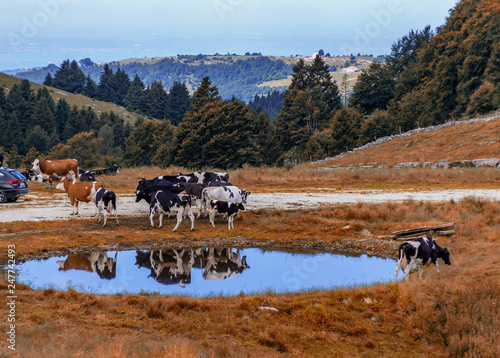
4, 176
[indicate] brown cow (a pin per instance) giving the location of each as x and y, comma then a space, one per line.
62, 168
97, 262
79, 191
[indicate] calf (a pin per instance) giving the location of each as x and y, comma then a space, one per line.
169, 203
79, 191
105, 200
414, 255
223, 207
230, 194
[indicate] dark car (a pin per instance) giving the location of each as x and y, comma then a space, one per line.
12, 185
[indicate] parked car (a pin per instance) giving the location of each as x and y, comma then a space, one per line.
12, 185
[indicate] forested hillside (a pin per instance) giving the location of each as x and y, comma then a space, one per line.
237, 76
430, 77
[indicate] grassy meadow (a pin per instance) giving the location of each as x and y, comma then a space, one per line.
453, 313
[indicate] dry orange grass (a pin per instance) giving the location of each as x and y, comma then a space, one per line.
459, 142
451, 313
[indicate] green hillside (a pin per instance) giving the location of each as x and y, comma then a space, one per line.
77, 100
235, 76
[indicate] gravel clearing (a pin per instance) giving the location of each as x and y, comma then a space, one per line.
57, 207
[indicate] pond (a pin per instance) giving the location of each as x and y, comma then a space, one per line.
202, 272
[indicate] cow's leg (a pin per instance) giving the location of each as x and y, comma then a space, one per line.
437, 265
211, 216
116, 217
191, 217
180, 212
151, 216
230, 221
397, 270
161, 220
199, 204
105, 217
420, 271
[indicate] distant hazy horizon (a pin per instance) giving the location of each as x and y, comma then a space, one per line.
35, 33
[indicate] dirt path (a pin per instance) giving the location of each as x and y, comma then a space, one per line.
56, 206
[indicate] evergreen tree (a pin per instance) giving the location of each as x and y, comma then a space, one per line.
134, 99
309, 103
48, 80
61, 115
216, 134
178, 103
267, 145
346, 129
105, 88
69, 77
90, 89
121, 84
373, 90
155, 100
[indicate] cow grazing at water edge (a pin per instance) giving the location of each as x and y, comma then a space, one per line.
105, 201
414, 255
79, 191
165, 202
61, 168
222, 207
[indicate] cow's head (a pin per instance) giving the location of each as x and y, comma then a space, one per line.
244, 195
36, 165
61, 185
446, 256
142, 194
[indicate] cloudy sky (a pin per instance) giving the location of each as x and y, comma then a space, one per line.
37, 32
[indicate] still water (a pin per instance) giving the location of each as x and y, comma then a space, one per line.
204, 272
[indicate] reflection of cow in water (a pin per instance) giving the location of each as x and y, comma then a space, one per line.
170, 266
223, 263
97, 262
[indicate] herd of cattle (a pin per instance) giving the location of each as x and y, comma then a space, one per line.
167, 195
209, 191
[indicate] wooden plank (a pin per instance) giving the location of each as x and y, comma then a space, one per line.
445, 232
423, 229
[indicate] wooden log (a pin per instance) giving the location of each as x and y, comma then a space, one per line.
445, 232
423, 229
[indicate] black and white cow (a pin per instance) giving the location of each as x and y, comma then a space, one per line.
208, 177
145, 188
221, 264
86, 175
195, 190
219, 183
230, 194
114, 169
223, 207
31, 175
414, 255
105, 200
165, 202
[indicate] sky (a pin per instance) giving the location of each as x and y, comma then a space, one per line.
35, 33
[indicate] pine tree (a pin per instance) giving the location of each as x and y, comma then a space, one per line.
178, 103
309, 103
134, 99
105, 88
373, 90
